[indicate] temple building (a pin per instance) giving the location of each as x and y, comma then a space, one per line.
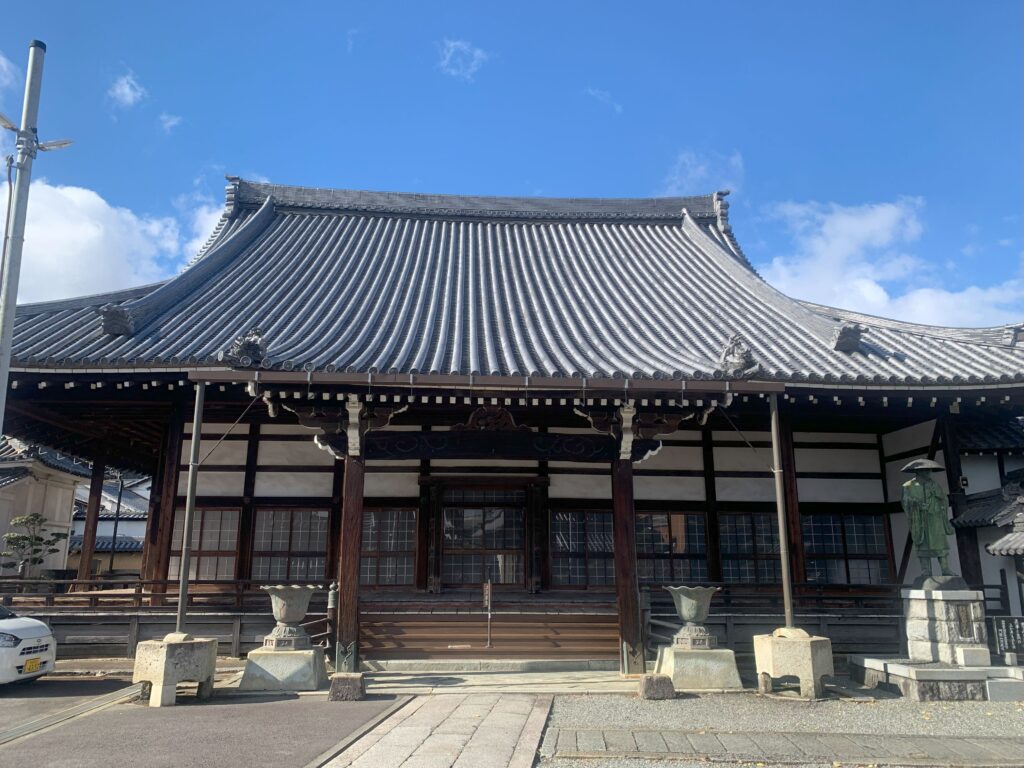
571, 399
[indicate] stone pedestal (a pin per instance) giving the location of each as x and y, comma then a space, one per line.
178, 658
347, 686
792, 652
267, 669
946, 626
698, 669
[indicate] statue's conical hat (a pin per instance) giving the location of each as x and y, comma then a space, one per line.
923, 465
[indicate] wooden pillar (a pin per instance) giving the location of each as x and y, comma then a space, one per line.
246, 518
792, 495
334, 524
92, 518
627, 588
714, 558
422, 572
348, 564
966, 538
153, 514
168, 492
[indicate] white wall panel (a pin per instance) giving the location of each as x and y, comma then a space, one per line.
213, 483
835, 491
729, 435
674, 457
908, 438
982, 473
745, 488
743, 459
294, 453
668, 488
228, 452
286, 429
836, 460
294, 483
835, 437
580, 487
392, 484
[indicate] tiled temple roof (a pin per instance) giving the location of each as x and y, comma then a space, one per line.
368, 282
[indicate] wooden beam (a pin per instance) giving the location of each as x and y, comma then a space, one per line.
627, 588
92, 519
348, 565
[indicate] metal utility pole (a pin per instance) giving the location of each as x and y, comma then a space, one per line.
17, 207
190, 507
780, 510
117, 519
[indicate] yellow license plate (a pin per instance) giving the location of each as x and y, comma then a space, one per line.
31, 665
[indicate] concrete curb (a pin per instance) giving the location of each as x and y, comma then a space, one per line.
48, 721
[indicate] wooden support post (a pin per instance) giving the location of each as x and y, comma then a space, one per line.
789, 484
627, 588
92, 519
160, 546
710, 505
347, 654
780, 510
966, 538
423, 530
247, 518
152, 517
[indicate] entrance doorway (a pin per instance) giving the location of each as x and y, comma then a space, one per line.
483, 536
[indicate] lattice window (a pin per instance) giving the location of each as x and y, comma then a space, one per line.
213, 548
670, 547
749, 546
290, 544
582, 549
388, 551
846, 549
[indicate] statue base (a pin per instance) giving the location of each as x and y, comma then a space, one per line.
946, 626
699, 669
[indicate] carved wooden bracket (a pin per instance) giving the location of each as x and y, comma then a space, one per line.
350, 421
490, 418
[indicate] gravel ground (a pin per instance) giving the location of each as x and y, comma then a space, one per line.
750, 712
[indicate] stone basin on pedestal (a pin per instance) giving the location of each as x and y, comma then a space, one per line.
288, 661
692, 660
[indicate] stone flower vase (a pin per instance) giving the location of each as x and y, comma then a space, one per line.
289, 604
693, 605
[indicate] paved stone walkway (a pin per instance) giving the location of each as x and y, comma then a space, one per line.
787, 748
460, 730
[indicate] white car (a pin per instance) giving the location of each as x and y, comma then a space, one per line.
27, 648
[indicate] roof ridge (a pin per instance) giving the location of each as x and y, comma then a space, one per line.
243, 192
996, 335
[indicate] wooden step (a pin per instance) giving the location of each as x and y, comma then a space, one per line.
422, 636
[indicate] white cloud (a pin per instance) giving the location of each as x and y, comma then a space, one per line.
350, 39
698, 174
604, 97
169, 122
126, 91
8, 73
77, 243
855, 257
461, 59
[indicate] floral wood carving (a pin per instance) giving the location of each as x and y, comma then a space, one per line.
490, 418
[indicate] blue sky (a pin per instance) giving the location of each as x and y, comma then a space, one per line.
874, 149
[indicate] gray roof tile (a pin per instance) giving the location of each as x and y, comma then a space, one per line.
396, 283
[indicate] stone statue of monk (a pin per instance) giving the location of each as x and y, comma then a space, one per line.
926, 506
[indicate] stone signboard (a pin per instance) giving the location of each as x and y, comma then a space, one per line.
1007, 634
